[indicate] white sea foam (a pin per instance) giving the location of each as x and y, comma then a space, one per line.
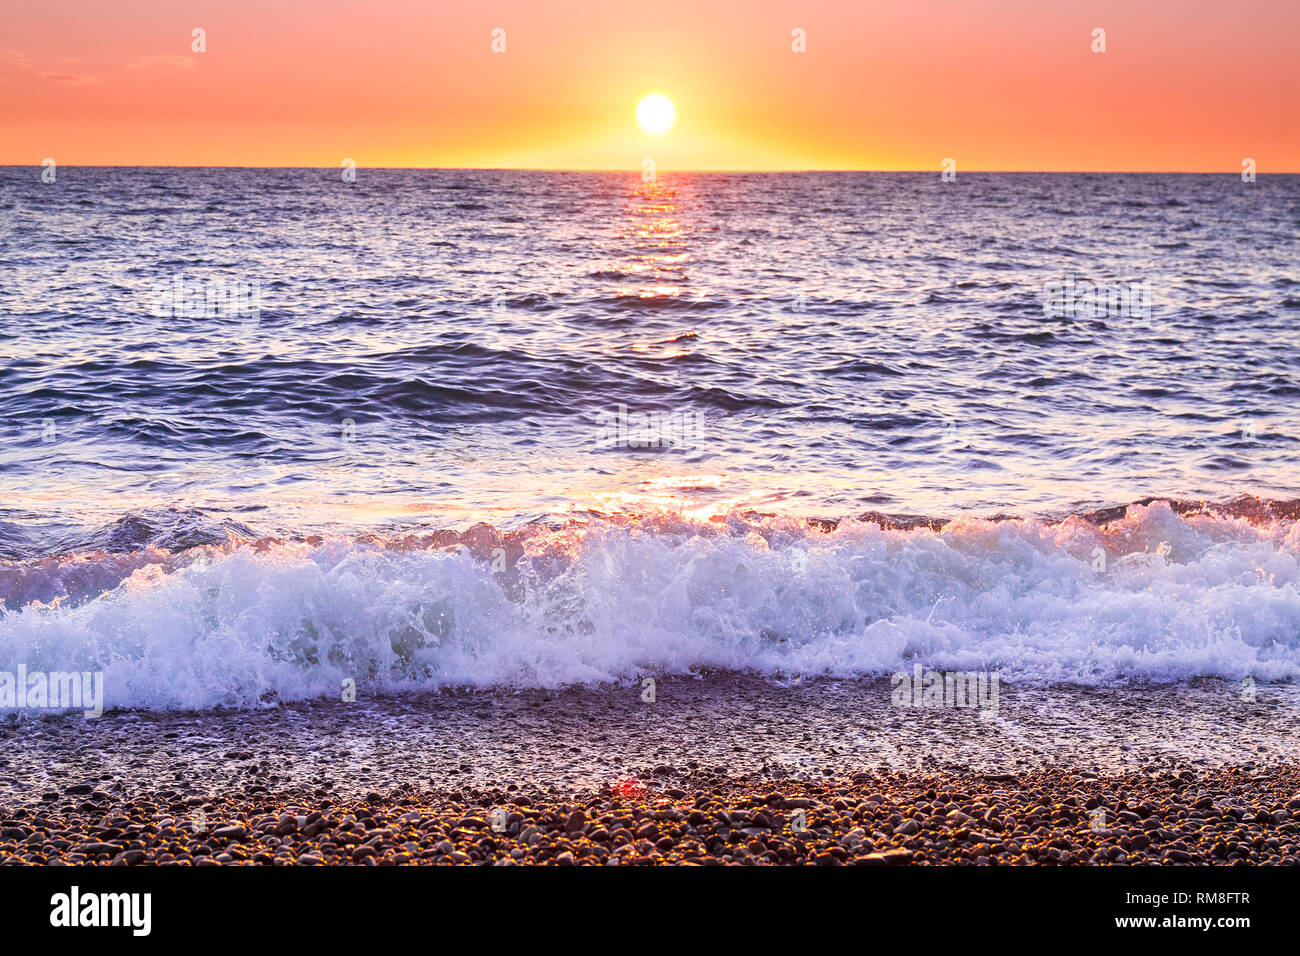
611, 600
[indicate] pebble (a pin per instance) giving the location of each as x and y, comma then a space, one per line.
1038, 817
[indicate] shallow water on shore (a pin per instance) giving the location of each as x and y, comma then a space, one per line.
582, 738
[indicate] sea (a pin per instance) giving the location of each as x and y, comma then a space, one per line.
267, 431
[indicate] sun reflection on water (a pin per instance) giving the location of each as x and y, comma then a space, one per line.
652, 228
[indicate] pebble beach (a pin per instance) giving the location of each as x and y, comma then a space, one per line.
1049, 817
726, 770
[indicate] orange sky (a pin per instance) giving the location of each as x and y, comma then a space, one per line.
1002, 84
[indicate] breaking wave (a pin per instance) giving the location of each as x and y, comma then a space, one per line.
1154, 592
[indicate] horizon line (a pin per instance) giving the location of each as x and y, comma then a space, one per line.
636, 170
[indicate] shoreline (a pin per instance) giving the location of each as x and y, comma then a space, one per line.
1185, 773
578, 738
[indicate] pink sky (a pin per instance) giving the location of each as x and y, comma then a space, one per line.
998, 85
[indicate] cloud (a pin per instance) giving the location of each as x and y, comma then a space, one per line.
16, 58
20, 60
71, 79
162, 61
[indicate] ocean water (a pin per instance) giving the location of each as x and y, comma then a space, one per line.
441, 428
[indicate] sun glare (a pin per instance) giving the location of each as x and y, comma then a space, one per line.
655, 114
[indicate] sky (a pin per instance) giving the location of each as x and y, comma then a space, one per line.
1183, 85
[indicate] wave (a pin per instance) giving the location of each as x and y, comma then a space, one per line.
1146, 595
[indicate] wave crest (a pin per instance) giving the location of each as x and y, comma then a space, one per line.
1152, 594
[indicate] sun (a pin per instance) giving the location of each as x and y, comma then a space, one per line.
655, 114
